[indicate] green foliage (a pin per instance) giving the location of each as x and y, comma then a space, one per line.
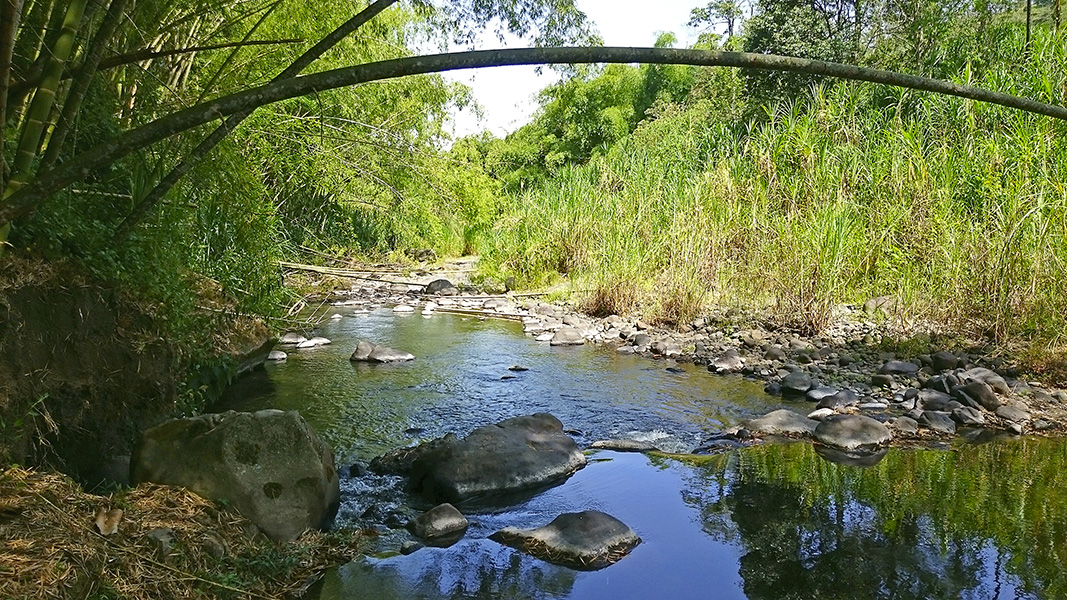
958, 209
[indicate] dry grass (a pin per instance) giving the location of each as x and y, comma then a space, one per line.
50, 546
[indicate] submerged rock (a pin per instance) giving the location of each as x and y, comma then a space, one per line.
515, 455
269, 465
586, 541
624, 445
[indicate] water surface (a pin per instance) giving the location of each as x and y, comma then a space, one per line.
774, 521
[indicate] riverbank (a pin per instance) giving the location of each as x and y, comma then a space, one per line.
927, 387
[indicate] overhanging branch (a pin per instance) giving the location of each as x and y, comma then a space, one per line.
81, 166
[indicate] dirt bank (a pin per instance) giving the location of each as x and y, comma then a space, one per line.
83, 368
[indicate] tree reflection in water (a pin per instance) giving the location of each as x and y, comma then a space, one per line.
976, 522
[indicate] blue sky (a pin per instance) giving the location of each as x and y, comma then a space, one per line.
506, 93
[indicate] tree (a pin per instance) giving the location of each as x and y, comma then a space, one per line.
717, 12
551, 22
19, 201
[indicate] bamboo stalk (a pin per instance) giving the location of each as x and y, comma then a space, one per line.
241, 103
10, 13
43, 99
104, 34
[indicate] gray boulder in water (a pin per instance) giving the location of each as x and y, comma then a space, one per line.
383, 354
441, 521
517, 454
587, 540
782, 422
368, 352
853, 433
269, 465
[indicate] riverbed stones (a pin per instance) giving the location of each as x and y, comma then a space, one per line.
587, 541
782, 422
882, 380
442, 522
968, 416
933, 400
988, 377
291, 339
1012, 414
441, 287
944, 361
362, 351
853, 433
517, 454
938, 421
820, 393
567, 336
775, 353
899, 367
977, 394
277, 356
905, 425
840, 399
796, 383
730, 362
368, 352
269, 465
314, 342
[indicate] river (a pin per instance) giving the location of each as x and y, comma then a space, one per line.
772, 521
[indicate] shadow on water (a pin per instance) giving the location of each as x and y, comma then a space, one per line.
769, 522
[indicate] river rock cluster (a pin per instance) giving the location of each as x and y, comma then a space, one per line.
931, 394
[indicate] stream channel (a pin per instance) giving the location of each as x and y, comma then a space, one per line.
773, 521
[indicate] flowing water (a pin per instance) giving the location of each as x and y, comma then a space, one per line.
772, 521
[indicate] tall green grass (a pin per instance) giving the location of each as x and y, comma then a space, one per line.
955, 208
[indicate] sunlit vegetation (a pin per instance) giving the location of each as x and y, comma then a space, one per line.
661, 190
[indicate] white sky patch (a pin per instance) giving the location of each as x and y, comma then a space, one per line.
507, 94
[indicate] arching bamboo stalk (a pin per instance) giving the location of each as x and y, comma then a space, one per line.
81, 166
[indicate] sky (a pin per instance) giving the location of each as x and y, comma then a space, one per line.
506, 94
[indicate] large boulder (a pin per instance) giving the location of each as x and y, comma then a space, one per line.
587, 540
269, 465
853, 433
782, 422
517, 454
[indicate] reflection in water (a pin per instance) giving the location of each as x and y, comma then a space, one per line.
972, 523
769, 522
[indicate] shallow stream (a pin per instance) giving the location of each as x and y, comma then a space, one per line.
773, 521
